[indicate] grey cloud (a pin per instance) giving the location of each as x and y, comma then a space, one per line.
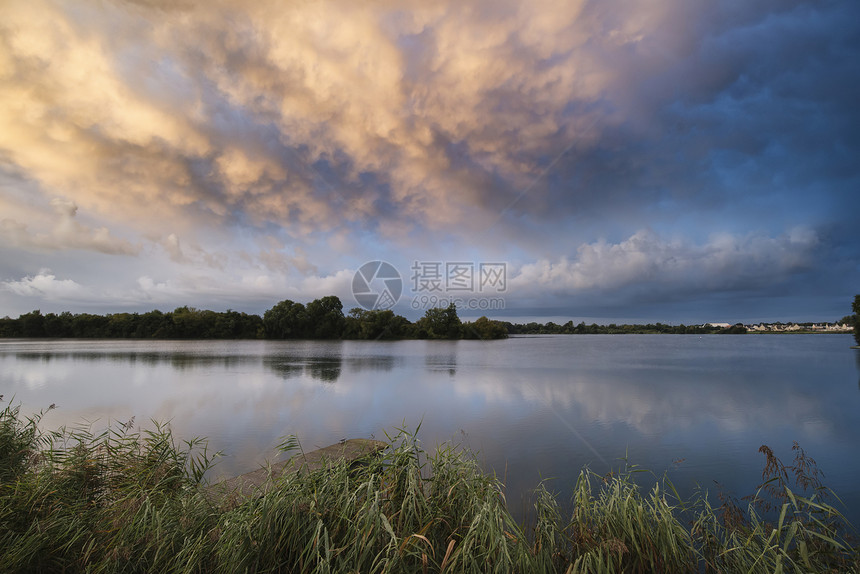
173, 248
723, 263
65, 233
750, 109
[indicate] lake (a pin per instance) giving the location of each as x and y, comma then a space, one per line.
531, 408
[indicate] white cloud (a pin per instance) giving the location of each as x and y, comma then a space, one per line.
239, 285
338, 283
45, 285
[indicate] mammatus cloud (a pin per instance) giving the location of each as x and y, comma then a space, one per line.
268, 146
306, 116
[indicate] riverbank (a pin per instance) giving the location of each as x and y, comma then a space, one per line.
121, 501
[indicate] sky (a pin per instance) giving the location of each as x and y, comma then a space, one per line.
681, 161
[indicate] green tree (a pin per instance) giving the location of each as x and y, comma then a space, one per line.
154, 325
440, 323
375, 324
286, 320
856, 308
58, 325
191, 323
10, 327
32, 324
122, 325
325, 318
484, 328
89, 326
234, 325
736, 329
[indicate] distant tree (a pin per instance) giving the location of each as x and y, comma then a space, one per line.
32, 324
191, 323
325, 318
286, 320
89, 326
736, 329
439, 323
182, 323
10, 327
856, 308
234, 325
122, 325
58, 325
154, 325
485, 329
375, 325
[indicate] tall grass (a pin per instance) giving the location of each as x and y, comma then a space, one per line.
123, 501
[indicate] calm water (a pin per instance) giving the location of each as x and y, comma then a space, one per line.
531, 407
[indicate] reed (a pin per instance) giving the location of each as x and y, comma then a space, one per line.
123, 501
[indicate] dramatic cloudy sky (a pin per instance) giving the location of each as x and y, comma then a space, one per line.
674, 160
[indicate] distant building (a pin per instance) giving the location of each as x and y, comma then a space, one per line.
716, 325
813, 327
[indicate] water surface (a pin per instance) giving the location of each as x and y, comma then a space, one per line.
533, 408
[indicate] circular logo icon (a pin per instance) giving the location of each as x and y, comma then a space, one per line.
377, 285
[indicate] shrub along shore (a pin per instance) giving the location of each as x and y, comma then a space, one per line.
124, 501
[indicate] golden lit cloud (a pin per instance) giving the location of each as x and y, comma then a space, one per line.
165, 114
189, 134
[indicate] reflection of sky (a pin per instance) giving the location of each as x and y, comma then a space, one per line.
531, 407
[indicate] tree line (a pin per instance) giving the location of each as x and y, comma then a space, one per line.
569, 328
182, 323
320, 319
323, 319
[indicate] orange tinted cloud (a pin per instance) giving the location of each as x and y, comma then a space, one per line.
193, 115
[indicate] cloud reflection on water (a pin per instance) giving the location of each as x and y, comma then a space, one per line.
531, 407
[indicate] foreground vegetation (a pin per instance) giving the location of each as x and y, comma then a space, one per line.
120, 501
